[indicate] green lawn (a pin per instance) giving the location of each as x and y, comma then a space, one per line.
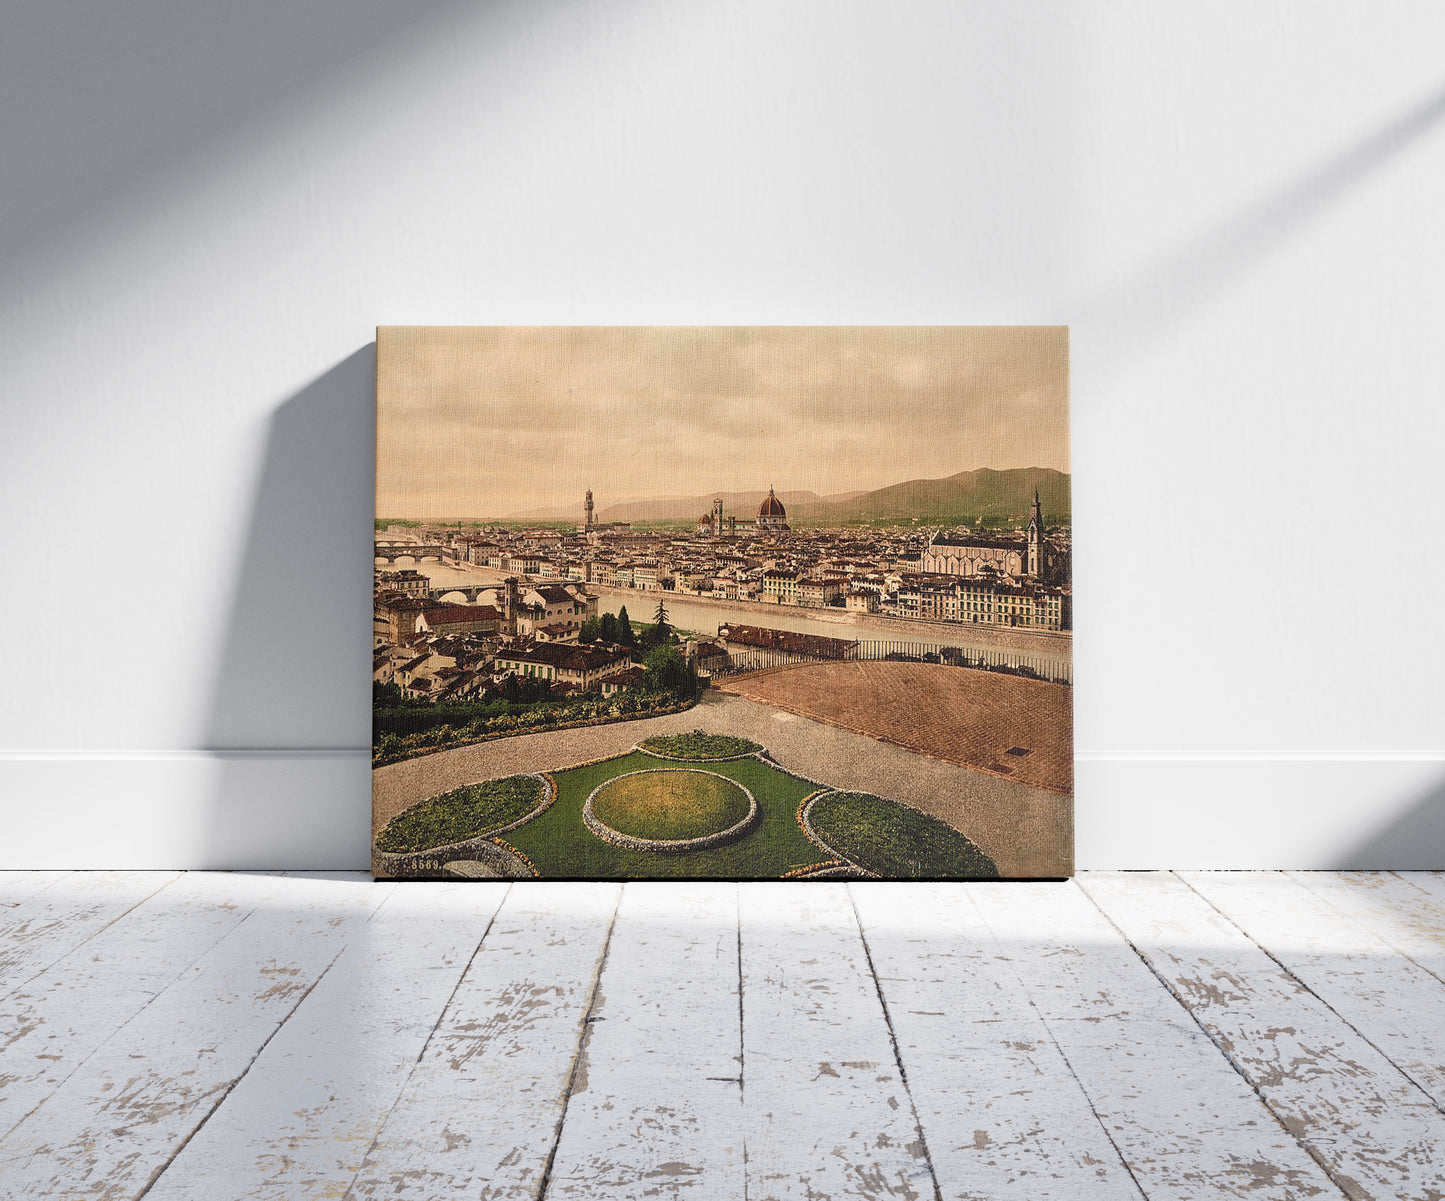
561, 846
670, 804
895, 841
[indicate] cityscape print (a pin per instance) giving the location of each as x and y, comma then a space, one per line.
722, 603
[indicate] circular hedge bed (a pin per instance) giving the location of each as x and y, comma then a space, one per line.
670, 805
698, 747
463, 813
895, 841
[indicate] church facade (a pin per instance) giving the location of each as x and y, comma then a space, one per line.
966, 555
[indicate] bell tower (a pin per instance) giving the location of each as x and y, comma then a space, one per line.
1036, 539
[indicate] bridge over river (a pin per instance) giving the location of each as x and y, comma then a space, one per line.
390, 552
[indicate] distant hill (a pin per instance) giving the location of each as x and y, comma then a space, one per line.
981, 493
742, 505
992, 495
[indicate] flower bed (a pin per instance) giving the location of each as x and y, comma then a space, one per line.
445, 738
698, 747
465, 814
884, 838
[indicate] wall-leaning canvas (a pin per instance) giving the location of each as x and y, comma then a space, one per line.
722, 603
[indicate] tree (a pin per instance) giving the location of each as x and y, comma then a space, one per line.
591, 630
665, 670
607, 628
659, 619
624, 628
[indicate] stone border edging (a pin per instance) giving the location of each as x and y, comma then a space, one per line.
400, 860
805, 820
495, 848
640, 748
669, 846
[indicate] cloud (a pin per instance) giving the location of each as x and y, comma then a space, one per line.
490, 421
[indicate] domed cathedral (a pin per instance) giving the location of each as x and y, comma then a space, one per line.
969, 554
772, 517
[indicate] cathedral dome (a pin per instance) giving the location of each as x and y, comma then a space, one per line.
772, 507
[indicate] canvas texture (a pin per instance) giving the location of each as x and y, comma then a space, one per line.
722, 603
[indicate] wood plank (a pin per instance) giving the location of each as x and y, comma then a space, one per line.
1186, 1124
49, 924
17, 886
656, 1108
1002, 1114
1367, 1123
54, 1022
123, 1114
480, 1113
1392, 1002
826, 1110
1403, 908
301, 1120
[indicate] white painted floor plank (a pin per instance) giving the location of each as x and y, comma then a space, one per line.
195, 1037
1002, 1115
46, 926
16, 887
480, 1113
1402, 908
1185, 1122
123, 1115
300, 1122
50, 1025
1377, 1133
656, 1108
826, 1111
1392, 1002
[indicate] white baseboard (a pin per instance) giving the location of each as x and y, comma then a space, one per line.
311, 809
186, 809
1365, 811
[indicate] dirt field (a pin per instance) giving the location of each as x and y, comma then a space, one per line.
972, 718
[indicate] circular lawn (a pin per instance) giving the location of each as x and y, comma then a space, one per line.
671, 805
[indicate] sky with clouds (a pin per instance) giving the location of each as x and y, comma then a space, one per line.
488, 422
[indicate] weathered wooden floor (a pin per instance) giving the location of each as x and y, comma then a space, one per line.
1190, 1035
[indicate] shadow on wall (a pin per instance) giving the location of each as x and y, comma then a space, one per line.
1414, 841
119, 96
290, 717
1149, 304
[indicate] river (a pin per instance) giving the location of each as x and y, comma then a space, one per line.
1049, 655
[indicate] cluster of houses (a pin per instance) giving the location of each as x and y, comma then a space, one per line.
1018, 581
529, 625
442, 651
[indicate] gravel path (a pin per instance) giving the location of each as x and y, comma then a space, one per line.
1027, 831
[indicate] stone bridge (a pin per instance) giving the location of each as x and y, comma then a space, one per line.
470, 591
417, 551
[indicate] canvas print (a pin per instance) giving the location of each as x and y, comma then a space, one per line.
722, 603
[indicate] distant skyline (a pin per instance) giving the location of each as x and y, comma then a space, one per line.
497, 422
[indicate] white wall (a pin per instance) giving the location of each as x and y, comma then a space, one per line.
206, 207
